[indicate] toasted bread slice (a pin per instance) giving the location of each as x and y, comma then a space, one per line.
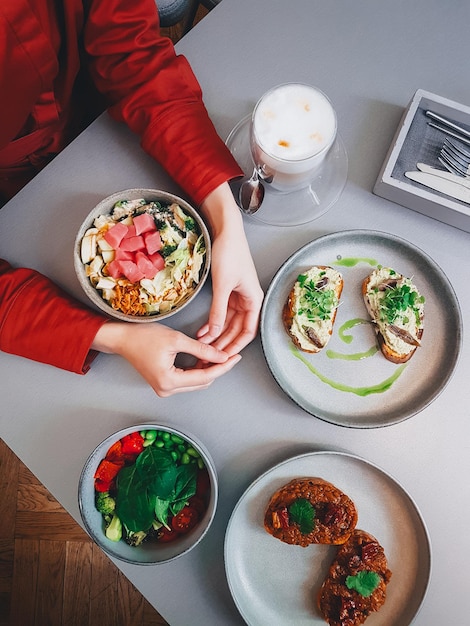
397, 311
310, 310
356, 583
310, 511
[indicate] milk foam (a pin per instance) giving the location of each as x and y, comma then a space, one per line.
294, 122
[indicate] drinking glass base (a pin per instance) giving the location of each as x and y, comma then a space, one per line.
295, 207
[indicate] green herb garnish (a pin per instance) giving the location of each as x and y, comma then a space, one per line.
364, 582
397, 300
316, 303
303, 513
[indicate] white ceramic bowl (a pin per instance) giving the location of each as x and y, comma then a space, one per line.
105, 207
149, 552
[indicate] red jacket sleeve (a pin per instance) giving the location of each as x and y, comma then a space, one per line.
38, 321
156, 93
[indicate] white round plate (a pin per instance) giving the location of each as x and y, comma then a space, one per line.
277, 584
296, 207
362, 393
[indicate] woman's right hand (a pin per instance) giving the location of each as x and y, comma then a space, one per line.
152, 349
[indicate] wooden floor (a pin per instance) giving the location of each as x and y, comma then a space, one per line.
51, 573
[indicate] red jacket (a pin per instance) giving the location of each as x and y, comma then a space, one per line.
55, 58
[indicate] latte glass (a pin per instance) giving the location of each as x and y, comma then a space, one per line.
293, 126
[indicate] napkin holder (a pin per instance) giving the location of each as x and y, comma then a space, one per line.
415, 141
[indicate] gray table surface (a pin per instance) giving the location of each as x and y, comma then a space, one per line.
369, 57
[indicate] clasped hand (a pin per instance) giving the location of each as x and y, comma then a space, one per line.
233, 318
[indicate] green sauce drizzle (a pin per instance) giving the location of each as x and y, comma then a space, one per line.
351, 261
357, 356
359, 391
347, 326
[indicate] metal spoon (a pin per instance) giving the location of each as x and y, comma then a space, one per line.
251, 193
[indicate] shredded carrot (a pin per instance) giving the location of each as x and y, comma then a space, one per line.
127, 300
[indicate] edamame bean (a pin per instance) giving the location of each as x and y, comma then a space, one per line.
151, 435
177, 439
192, 452
185, 458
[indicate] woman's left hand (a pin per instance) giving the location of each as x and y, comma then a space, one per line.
237, 294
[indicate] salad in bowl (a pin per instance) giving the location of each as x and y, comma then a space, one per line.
148, 494
142, 254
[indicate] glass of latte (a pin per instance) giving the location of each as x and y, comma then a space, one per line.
293, 126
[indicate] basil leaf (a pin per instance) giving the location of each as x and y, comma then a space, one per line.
302, 513
162, 509
176, 507
152, 460
134, 504
158, 469
185, 483
364, 582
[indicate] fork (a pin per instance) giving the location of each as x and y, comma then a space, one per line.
455, 158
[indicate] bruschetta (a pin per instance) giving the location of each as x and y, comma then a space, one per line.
310, 511
356, 583
396, 309
310, 310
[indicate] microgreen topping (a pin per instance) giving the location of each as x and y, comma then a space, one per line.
397, 300
364, 582
302, 513
316, 303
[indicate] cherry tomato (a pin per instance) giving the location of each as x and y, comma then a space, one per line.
165, 535
132, 444
185, 520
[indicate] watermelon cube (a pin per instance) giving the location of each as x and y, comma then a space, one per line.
131, 271
131, 231
157, 260
115, 234
123, 255
145, 265
114, 269
131, 244
144, 223
153, 241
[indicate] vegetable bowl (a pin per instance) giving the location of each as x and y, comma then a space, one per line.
148, 494
141, 255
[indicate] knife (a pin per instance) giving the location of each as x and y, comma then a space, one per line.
448, 187
461, 180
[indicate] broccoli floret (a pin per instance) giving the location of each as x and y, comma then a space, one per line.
135, 538
167, 250
114, 529
105, 503
189, 223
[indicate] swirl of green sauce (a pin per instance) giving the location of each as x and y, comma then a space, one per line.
359, 391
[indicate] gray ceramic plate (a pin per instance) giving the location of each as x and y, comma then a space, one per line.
363, 393
277, 584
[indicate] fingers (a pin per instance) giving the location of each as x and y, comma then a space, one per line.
197, 379
217, 316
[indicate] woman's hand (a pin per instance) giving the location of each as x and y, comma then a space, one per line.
152, 349
237, 294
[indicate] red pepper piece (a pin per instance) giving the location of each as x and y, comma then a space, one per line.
107, 471
114, 453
